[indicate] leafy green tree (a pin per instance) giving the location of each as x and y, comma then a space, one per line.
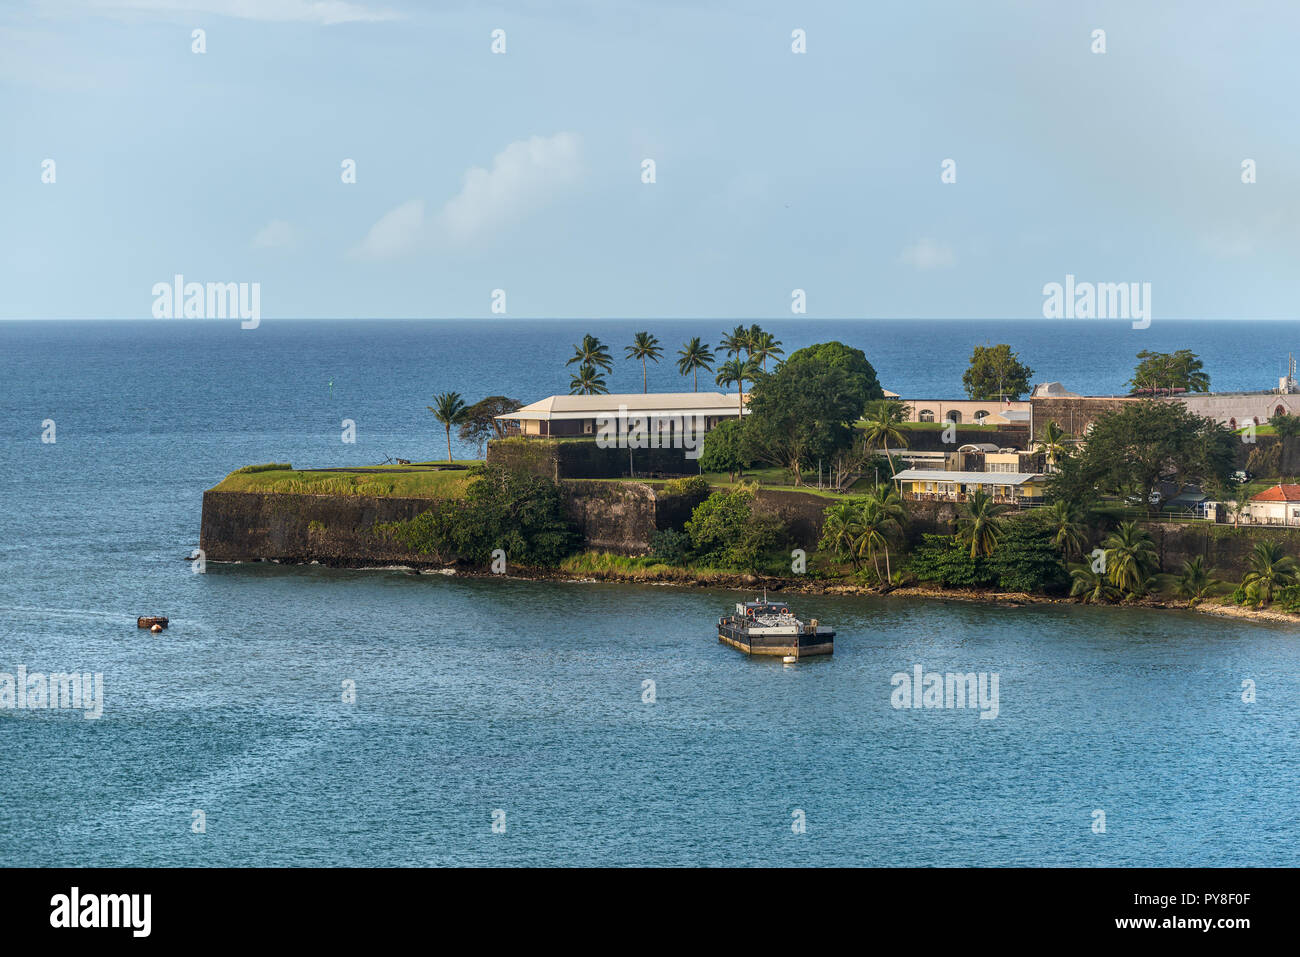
645, 347
726, 449
847, 359
1166, 371
882, 424
1027, 560
841, 530
480, 422
943, 559
1270, 568
1196, 582
726, 532
1132, 447
587, 381
1052, 443
449, 409
996, 372
803, 412
592, 352
979, 524
695, 356
1131, 558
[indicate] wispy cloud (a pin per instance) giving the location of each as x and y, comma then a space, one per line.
326, 12
524, 176
928, 254
397, 233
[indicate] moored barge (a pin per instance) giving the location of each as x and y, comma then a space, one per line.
770, 628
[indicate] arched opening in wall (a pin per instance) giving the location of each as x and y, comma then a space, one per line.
1256, 420
1280, 410
954, 416
980, 416
927, 415
1232, 423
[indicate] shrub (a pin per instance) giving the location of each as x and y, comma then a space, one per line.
695, 486
268, 467
670, 547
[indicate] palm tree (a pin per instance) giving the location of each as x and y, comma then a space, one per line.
1066, 524
737, 341
643, 347
587, 381
449, 409
1196, 581
884, 508
841, 529
883, 421
980, 525
763, 346
736, 372
695, 356
1052, 443
1270, 568
1091, 586
1130, 558
592, 352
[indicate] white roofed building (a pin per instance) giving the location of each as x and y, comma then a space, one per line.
578, 415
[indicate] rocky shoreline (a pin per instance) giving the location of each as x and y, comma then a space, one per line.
745, 582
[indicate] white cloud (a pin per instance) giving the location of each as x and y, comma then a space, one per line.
928, 254
327, 12
524, 176
397, 233
277, 234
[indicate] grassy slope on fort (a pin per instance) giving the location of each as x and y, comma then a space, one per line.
419, 480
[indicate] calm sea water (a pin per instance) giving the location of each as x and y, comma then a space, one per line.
474, 696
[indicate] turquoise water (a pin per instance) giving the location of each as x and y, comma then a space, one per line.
474, 696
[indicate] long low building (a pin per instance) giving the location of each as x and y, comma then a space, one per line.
575, 415
1019, 487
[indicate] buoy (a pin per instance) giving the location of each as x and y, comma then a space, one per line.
155, 628
789, 659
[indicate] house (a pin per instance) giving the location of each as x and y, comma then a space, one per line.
967, 411
942, 485
578, 415
1279, 505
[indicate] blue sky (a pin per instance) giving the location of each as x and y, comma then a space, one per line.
522, 171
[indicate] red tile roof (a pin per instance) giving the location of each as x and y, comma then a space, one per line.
1278, 493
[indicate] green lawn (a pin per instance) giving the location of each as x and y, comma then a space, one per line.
396, 481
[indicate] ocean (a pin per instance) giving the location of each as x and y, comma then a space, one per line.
526, 704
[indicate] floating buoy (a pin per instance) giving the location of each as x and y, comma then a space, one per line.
789, 659
156, 621
155, 628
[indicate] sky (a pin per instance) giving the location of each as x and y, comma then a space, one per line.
523, 171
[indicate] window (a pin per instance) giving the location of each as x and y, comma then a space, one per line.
1232, 423
587, 426
980, 416
927, 415
953, 416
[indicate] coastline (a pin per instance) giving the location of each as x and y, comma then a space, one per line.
746, 582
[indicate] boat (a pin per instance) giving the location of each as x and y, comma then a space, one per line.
762, 627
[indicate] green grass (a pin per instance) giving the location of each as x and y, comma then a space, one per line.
390, 482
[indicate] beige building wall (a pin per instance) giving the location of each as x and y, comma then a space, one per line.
967, 412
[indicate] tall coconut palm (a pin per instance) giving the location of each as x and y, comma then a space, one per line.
1052, 443
449, 409
736, 342
884, 508
1196, 582
1130, 558
980, 524
1270, 568
592, 352
695, 356
884, 425
1091, 586
764, 346
587, 381
644, 346
1065, 521
736, 372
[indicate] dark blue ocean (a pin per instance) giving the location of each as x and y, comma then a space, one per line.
483, 696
